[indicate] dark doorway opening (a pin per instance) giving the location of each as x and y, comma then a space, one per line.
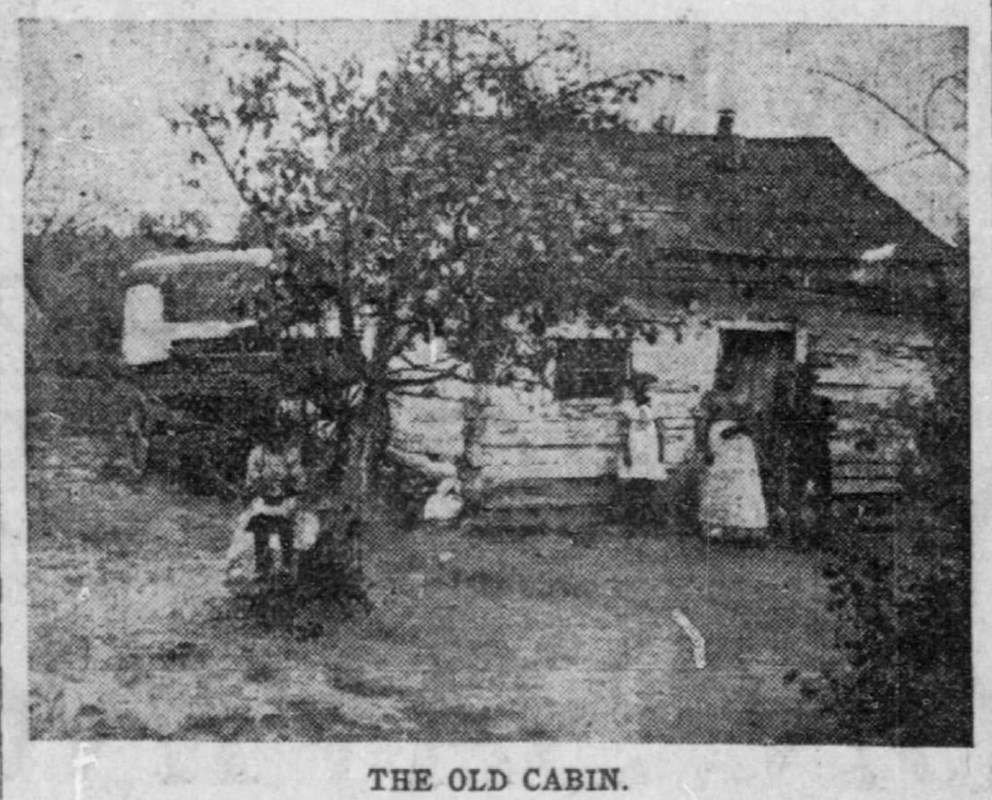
752, 360
761, 371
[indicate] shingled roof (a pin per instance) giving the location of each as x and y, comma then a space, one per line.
773, 198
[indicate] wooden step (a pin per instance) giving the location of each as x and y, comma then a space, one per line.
849, 487
848, 470
547, 493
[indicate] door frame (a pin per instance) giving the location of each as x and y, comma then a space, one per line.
801, 335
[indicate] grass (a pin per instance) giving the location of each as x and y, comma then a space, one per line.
540, 637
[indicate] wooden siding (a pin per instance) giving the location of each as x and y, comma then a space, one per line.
428, 419
502, 436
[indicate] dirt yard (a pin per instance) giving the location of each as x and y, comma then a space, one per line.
473, 637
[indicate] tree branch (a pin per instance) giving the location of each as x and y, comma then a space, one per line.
350, 335
861, 89
449, 372
957, 77
901, 161
218, 148
32, 166
609, 80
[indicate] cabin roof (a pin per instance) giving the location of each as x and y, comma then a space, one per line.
763, 197
157, 268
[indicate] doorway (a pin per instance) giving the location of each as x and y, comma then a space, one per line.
752, 361
761, 369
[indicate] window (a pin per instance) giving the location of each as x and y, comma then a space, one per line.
590, 368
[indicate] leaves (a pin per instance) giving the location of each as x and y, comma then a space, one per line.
442, 194
905, 630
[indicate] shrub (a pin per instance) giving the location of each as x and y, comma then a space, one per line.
905, 629
330, 577
904, 619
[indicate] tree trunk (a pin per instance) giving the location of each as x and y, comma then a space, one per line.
366, 441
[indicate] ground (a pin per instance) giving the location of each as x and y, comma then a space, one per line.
475, 635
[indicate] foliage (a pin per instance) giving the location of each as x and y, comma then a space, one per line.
330, 576
332, 572
905, 619
72, 263
431, 199
74, 301
906, 631
179, 232
946, 439
74, 298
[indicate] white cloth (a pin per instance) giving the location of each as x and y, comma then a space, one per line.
642, 444
306, 527
446, 502
145, 337
731, 493
239, 561
240, 557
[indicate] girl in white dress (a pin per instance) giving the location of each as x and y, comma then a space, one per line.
641, 466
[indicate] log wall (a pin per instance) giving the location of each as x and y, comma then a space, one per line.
428, 419
500, 436
521, 434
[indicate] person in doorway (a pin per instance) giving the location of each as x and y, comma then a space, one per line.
641, 467
274, 480
732, 503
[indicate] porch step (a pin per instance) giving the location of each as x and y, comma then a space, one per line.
547, 493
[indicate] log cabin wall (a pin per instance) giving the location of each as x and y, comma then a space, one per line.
427, 419
521, 435
506, 441
871, 376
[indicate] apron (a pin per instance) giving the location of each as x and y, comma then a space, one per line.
731, 494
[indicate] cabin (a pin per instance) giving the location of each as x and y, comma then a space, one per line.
762, 266
763, 258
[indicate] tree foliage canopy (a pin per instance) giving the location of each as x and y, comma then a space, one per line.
428, 197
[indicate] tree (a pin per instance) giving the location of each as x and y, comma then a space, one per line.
430, 198
953, 86
180, 231
70, 274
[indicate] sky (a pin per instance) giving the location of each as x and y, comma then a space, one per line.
98, 96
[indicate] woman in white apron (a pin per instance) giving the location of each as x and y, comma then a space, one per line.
732, 505
640, 468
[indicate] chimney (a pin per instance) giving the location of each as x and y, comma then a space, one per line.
725, 122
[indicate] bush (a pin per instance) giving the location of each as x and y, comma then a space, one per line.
904, 618
905, 628
330, 578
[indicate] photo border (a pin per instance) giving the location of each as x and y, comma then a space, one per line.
332, 770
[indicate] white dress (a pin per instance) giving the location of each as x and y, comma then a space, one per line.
731, 494
642, 444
